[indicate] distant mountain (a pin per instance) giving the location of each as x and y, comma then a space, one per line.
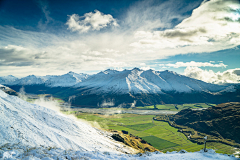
29, 80
127, 87
8, 79
66, 80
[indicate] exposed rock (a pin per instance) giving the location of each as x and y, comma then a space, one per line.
8, 90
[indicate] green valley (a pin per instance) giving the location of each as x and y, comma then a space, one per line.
158, 133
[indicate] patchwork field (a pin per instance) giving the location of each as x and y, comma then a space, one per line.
159, 134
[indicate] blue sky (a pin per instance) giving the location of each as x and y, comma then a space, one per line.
44, 37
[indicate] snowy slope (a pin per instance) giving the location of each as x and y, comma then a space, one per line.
56, 154
25, 124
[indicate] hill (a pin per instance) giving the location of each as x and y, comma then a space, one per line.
221, 123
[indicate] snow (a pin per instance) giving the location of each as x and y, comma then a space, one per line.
138, 81
8, 79
66, 80
32, 125
29, 131
60, 154
29, 80
133, 81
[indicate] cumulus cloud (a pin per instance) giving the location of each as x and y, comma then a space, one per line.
214, 23
93, 21
228, 76
195, 64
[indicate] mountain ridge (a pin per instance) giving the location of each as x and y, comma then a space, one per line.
134, 81
125, 87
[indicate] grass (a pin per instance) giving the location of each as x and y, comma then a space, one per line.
178, 107
159, 143
140, 127
158, 133
145, 107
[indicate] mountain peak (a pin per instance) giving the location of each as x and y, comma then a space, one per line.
10, 76
172, 72
136, 69
71, 72
109, 71
32, 76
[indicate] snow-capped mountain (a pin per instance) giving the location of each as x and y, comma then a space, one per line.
29, 80
66, 80
121, 82
8, 79
128, 86
137, 81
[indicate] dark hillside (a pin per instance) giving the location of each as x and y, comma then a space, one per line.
221, 123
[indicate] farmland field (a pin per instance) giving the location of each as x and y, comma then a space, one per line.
176, 107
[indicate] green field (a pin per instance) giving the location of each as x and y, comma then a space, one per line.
158, 133
155, 141
140, 127
178, 107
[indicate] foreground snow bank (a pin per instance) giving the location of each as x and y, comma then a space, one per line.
60, 154
24, 124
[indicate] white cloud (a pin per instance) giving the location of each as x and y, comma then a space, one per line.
137, 41
146, 68
214, 25
93, 21
195, 64
228, 76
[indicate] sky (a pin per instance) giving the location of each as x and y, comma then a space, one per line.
197, 38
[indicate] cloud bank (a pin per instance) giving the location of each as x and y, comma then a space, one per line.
90, 21
194, 64
214, 25
144, 33
228, 76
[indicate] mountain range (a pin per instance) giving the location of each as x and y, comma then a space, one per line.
125, 88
